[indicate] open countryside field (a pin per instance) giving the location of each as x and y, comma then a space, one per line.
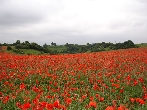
114, 80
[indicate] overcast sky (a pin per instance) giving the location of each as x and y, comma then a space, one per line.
73, 21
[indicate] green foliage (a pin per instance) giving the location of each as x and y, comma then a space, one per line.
27, 45
27, 51
129, 44
45, 45
20, 48
9, 47
18, 42
141, 45
125, 45
53, 44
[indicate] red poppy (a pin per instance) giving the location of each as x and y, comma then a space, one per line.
110, 108
22, 86
43, 104
145, 96
122, 107
49, 106
26, 106
68, 101
141, 101
101, 99
92, 104
56, 104
6, 99
132, 100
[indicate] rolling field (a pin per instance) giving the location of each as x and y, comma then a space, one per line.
114, 80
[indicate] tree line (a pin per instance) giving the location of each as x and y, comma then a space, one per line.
97, 47
68, 48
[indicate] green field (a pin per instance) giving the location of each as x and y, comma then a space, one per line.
59, 49
142, 45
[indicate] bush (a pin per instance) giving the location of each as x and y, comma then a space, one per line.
9, 48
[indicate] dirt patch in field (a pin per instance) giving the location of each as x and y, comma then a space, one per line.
3, 48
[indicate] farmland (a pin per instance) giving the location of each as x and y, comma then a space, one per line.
114, 80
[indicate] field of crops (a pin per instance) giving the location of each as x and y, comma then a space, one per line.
114, 80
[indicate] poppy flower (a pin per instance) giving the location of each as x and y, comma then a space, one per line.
110, 108
22, 86
56, 104
141, 101
132, 100
26, 106
49, 106
92, 104
68, 101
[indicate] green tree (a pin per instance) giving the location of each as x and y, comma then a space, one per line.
53, 44
9, 47
5, 44
27, 42
18, 42
45, 45
129, 44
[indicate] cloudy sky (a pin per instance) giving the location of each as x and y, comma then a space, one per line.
73, 21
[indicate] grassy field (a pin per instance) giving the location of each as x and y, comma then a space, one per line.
142, 45
31, 51
57, 48
21, 51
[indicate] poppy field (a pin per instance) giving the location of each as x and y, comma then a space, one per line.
113, 80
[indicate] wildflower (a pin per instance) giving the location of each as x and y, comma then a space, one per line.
110, 108
132, 100
84, 96
145, 96
6, 99
121, 91
122, 107
56, 104
97, 95
91, 98
18, 104
68, 101
92, 104
141, 101
26, 106
49, 106
43, 104
35, 101
101, 99
22, 86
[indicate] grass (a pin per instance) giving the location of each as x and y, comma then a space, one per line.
142, 45
57, 48
31, 51
25, 51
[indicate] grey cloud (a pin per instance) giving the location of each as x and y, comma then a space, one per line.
62, 21
9, 18
143, 1
23, 12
